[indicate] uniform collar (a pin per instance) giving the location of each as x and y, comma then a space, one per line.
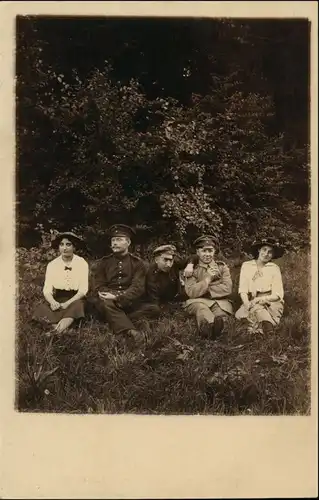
156, 270
205, 266
120, 257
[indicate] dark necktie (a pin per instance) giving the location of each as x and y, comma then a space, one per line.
67, 268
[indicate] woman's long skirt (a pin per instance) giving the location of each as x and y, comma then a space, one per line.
44, 313
271, 312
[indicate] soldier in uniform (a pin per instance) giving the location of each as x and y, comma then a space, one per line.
209, 289
163, 280
119, 284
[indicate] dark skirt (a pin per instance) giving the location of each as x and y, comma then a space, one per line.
44, 313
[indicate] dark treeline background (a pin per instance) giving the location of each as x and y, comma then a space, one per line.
175, 126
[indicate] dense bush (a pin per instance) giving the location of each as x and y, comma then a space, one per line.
94, 149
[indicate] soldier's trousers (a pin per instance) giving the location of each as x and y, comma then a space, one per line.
145, 310
120, 318
204, 313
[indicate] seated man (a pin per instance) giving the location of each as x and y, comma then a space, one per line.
162, 283
209, 289
119, 283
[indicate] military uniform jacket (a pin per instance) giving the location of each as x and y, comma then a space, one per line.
124, 276
218, 291
161, 286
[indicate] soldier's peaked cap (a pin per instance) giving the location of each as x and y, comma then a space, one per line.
121, 230
206, 240
165, 249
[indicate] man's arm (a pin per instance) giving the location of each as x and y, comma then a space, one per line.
195, 288
223, 286
181, 263
151, 287
99, 278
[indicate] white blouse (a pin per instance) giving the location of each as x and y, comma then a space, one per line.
267, 279
73, 275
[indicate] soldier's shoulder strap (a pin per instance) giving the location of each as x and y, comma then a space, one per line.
107, 256
103, 259
136, 257
221, 263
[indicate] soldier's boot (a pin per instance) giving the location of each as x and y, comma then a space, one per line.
135, 338
205, 329
267, 327
217, 328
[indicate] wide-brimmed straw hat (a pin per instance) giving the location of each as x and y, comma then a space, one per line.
278, 249
76, 240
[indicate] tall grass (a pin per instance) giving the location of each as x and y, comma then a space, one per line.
89, 370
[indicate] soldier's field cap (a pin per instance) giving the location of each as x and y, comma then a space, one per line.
206, 240
121, 230
171, 249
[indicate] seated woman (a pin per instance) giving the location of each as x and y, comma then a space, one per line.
261, 288
66, 284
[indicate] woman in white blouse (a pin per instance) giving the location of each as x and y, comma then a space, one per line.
66, 284
261, 288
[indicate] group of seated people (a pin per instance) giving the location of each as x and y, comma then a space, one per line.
124, 288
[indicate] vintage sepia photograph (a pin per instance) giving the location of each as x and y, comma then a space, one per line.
163, 254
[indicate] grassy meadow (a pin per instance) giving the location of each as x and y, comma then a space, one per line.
89, 370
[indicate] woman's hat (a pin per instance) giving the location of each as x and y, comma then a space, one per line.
278, 250
121, 230
206, 240
76, 240
171, 249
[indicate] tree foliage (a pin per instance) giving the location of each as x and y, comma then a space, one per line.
97, 147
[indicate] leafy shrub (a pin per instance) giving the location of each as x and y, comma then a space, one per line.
95, 151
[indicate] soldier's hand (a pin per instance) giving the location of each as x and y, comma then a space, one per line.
213, 272
188, 271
